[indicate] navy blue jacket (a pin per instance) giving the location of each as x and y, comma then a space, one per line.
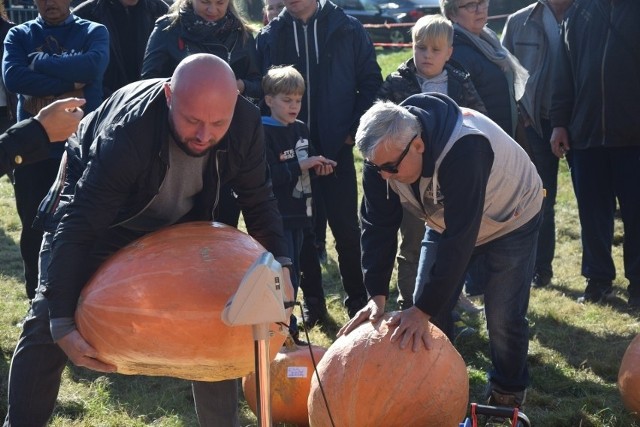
464, 174
342, 78
490, 81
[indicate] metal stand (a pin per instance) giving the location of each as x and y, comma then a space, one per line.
263, 374
259, 301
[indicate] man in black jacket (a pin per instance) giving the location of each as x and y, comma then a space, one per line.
142, 150
594, 113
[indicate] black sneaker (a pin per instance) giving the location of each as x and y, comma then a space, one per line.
295, 336
314, 311
634, 302
461, 330
634, 296
540, 280
596, 292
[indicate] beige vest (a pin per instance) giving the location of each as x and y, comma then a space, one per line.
514, 190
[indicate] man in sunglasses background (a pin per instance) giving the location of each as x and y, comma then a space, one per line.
479, 194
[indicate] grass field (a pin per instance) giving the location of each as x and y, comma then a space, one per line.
574, 355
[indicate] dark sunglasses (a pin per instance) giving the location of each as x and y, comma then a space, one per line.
389, 167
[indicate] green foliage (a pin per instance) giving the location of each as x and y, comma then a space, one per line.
575, 350
389, 60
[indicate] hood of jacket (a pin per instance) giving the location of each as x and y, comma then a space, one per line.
323, 21
438, 115
325, 8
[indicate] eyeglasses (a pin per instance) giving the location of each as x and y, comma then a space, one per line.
475, 6
391, 168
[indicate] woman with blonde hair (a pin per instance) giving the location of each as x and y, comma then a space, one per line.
204, 26
496, 74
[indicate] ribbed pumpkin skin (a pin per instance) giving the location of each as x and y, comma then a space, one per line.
370, 382
154, 307
629, 377
288, 392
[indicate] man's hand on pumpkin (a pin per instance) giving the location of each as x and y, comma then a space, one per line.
373, 311
81, 353
411, 324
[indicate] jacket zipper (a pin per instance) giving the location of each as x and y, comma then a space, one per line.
218, 185
306, 54
145, 206
606, 45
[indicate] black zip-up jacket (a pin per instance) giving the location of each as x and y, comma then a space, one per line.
596, 88
342, 76
124, 144
285, 169
403, 83
104, 12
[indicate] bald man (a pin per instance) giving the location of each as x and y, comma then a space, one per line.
156, 154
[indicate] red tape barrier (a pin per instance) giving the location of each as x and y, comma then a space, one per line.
408, 24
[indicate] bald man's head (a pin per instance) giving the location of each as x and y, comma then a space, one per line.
201, 96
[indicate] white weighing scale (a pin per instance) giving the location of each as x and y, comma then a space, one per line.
259, 302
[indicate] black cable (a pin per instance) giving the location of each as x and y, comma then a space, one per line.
315, 367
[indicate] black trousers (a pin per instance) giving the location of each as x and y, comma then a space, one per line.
31, 184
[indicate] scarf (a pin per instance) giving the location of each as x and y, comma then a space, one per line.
207, 31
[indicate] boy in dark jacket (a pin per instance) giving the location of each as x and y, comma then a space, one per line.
287, 143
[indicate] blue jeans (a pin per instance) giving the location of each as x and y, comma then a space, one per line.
38, 362
600, 176
546, 164
294, 238
509, 261
31, 184
412, 229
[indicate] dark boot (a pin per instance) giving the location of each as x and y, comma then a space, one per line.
314, 311
596, 291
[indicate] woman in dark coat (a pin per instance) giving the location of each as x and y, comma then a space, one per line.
204, 26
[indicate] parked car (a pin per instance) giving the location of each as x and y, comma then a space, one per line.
409, 10
369, 13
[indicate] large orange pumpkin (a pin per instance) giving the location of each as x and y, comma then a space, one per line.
370, 381
629, 377
290, 379
154, 307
